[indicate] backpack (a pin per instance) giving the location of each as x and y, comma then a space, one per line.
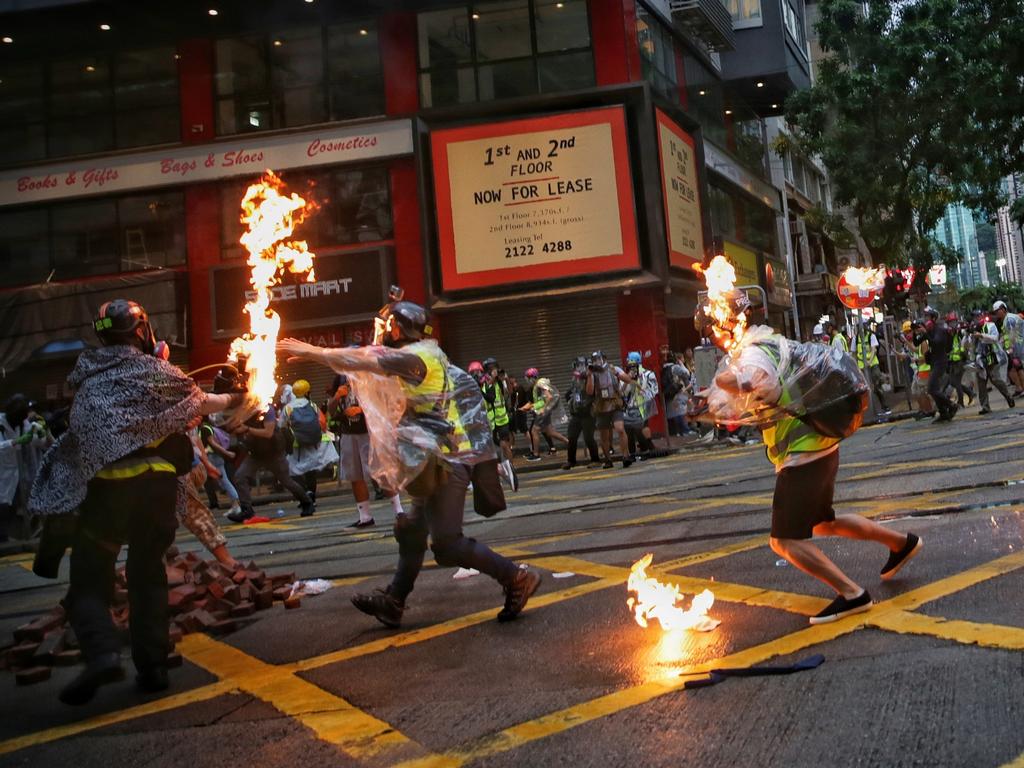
832, 389
304, 422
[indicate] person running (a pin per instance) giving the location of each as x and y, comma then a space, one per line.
958, 360
922, 370
216, 444
806, 463
312, 449
990, 362
117, 467
421, 370
1011, 336
354, 464
581, 415
543, 407
867, 360
939, 345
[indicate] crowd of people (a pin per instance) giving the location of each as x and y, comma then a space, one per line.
949, 361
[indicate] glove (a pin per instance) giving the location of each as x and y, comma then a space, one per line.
23, 439
353, 412
343, 391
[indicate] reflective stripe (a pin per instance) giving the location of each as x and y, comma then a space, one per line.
865, 350
919, 364
497, 413
434, 395
133, 467
956, 354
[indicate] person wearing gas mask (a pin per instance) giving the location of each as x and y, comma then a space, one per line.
940, 344
649, 388
117, 466
581, 415
990, 361
545, 401
492, 388
604, 384
431, 407
635, 413
22, 437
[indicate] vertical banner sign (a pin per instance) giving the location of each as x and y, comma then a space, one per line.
534, 199
680, 187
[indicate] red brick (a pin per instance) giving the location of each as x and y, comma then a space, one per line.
32, 675
38, 627
67, 658
180, 597
264, 599
282, 593
293, 602
243, 609
223, 627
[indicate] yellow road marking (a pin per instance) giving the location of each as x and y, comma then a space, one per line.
330, 717
967, 632
112, 718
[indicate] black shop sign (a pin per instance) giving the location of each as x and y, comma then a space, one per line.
349, 287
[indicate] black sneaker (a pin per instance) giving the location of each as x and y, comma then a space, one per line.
627, 463
841, 607
100, 671
608, 464
518, 592
567, 466
363, 523
985, 410
382, 606
152, 680
1010, 403
898, 559
532, 457
308, 508
243, 513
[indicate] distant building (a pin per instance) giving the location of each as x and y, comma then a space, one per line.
956, 230
1009, 243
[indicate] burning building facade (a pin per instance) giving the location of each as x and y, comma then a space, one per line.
543, 175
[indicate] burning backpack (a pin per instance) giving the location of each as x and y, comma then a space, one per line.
304, 422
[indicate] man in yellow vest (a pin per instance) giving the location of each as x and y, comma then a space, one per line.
421, 369
495, 394
867, 360
806, 463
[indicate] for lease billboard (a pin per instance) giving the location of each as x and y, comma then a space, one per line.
534, 199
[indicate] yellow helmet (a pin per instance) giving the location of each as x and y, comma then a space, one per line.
300, 388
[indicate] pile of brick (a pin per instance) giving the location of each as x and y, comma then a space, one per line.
203, 596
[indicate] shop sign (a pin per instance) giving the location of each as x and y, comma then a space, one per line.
744, 262
534, 199
206, 162
681, 191
776, 282
349, 287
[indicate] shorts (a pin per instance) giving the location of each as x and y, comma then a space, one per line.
803, 497
607, 419
543, 421
919, 386
502, 434
354, 463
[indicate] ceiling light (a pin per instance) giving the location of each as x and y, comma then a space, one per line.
177, 56
105, 27
278, 43
559, 5
775, 106
728, 111
309, 1
701, 93
363, 32
760, 85
476, 15
212, 11
90, 68
8, 39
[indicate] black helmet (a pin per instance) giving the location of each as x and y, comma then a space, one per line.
490, 363
579, 362
411, 320
597, 357
119, 322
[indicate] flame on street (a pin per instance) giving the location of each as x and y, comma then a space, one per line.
653, 599
720, 277
270, 216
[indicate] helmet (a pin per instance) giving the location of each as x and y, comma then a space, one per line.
531, 373
122, 321
817, 330
409, 318
633, 357
489, 363
300, 388
907, 325
951, 317
579, 362
597, 357
931, 312
475, 367
998, 305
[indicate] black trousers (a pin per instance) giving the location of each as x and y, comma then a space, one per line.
138, 511
937, 385
582, 425
276, 465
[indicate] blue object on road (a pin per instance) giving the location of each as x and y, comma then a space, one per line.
718, 675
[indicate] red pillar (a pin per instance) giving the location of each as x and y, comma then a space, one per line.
684, 97
195, 94
643, 328
397, 35
613, 31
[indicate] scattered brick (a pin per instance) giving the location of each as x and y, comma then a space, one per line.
32, 675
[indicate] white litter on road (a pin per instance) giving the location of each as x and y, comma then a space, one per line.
465, 573
563, 575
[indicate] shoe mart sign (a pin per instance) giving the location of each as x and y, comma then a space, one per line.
206, 162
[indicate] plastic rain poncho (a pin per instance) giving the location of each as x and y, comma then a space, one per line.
406, 428
779, 378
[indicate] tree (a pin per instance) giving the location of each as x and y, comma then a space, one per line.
984, 296
915, 107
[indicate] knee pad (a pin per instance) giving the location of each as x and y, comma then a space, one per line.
447, 550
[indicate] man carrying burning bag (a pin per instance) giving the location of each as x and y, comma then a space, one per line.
805, 398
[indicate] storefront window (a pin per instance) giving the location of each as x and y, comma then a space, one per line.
503, 49
354, 207
298, 77
657, 54
92, 237
794, 24
745, 13
704, 98
88, 104
738, 217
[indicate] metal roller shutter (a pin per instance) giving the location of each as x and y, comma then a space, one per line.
547, 335
318, 376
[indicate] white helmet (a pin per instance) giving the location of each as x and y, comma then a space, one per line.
818, 330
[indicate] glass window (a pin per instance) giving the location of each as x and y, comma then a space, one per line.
503, 49
146, 98
80, 107
793, 22
243, 85
84, 238
24, 246
354, 71
297, 69
704, 98
502, 30
657, 54
22, 111
152, 230
745, 13
444, 38
561, 25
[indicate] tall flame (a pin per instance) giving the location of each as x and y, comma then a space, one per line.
270, 216
656, 600
720, 277
868, 279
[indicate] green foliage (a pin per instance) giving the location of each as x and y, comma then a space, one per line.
832, 225
916, 107
984, 296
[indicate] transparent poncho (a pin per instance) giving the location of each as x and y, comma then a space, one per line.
767, 378
405, 431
